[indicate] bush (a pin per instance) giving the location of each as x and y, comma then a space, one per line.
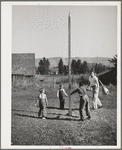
75, 79
84, 78
62, 80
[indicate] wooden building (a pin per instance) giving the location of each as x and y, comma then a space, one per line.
23, 68
107, 77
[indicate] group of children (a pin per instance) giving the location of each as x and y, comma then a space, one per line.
83, 105
84, 99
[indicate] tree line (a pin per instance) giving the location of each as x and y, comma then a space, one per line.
43, 67
114, 70
78, 67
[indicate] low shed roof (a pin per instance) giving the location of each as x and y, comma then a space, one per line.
104, 72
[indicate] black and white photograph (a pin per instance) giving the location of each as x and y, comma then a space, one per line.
61, 75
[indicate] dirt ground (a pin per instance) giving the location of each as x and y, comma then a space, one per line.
59, 128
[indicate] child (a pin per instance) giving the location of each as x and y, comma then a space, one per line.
84, 101
94, 84
42, 103
96, 101
60, 96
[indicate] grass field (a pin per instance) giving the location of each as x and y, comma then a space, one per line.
59, 128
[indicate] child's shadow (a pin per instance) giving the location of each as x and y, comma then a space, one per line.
56, 108
58, 118
50, 118
22, 115
58, 115
62, 109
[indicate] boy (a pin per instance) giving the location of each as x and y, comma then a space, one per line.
42, 103
84, 101
60, 93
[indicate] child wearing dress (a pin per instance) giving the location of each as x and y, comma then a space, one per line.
42, 103
60, 94
96, 104
94, 84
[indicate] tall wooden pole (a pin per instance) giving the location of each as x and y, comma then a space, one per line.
69, 63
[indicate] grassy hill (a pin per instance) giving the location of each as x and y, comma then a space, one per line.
55, 60
59, 128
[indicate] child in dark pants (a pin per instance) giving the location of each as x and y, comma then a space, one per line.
60, 94
42, 103
84, 101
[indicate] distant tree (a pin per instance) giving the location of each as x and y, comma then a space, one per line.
78, 66
114, 61
85, 67
99, 68
93, 66
114, 70
81, 68
65, 69
89, 66
104, 67
73, 66
47, 63
96, 67
61, 66
43, 67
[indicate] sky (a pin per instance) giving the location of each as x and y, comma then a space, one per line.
43, 30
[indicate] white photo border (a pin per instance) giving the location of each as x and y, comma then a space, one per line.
6, 50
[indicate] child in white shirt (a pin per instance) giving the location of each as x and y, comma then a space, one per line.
42, 103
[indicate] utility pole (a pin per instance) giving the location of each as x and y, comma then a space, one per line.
69, 62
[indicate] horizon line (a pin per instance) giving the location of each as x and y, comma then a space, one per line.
78, 57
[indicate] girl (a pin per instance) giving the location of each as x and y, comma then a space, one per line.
94, 83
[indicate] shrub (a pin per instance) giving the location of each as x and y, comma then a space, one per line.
84, 78
74, 79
